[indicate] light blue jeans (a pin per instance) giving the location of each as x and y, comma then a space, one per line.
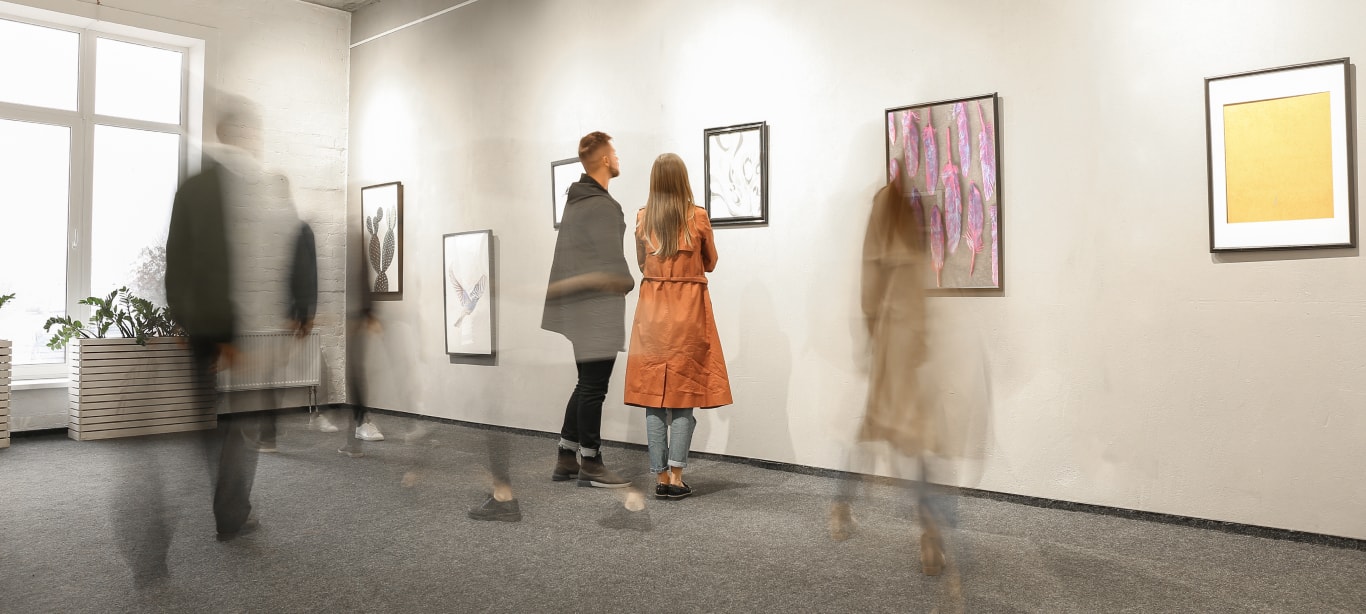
662, 454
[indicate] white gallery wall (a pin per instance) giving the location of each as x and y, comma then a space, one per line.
1126, 365
291, 59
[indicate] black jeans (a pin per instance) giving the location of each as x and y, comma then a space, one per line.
355, 372
583, 414
232, 459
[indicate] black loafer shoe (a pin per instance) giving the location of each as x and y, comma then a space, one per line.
500, 511
680, 492
661, 491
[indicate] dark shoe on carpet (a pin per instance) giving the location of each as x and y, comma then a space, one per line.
247, 528
661, 491
593, 473
501, 511
566, 466
679, 492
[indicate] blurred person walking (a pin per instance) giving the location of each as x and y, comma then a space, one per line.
586, 302
675, 363
361, 324
238, 260
899, 413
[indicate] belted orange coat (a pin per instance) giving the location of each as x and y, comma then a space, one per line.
675, 358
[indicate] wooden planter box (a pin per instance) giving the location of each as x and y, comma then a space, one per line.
6, 355
122, 389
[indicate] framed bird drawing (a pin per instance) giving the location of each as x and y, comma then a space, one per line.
467, 259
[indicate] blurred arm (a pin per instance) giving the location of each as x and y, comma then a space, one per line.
874, 282
303, 280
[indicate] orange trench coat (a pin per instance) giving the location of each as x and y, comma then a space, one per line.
675, 358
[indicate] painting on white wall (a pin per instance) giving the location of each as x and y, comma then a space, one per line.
470, 315
563, 173
737, 174
382, 238
944, 157
1281, 168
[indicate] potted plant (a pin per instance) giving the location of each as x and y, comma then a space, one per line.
6, 356
139, 383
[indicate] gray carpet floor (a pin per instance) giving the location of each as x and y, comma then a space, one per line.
388, 533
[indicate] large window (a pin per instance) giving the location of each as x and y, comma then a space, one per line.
93, 142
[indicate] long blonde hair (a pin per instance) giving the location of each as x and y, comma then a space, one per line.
668, 211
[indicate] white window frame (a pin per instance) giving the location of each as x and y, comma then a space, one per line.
93, 22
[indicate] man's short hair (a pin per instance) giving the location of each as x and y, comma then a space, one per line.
590, 146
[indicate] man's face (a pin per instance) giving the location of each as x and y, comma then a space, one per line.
612, 162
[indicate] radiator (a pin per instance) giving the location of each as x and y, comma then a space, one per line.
275, 360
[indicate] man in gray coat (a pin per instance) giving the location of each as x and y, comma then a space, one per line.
586, 302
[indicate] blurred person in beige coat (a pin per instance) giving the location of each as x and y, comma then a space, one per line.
900, 415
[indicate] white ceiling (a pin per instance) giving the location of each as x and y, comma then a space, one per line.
349, 6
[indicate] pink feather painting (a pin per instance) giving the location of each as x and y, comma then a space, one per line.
931, 151
944, 160
973, 233
953, 201
995, 247
910, 141
937, 245
986, 153
960, 115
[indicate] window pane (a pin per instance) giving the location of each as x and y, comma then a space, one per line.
34, 181
136, 173
38, 65
137, 82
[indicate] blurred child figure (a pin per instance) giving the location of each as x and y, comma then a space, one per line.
674, 363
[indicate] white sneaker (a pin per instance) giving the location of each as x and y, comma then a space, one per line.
319, 421
369, 432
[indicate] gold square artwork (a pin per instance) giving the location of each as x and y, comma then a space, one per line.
1279, 159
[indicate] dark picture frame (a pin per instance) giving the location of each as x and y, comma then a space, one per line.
382, 239
474, 314
740, 169
1289, 100
956, 266
560, 180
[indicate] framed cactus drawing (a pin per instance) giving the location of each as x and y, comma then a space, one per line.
382, 239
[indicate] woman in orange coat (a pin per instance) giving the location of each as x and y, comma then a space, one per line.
674, 363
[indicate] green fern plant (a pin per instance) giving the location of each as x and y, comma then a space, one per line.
135, 318
5, 299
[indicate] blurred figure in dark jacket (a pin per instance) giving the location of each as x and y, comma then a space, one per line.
238, 260
361, 323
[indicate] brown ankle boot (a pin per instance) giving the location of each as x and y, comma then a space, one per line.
566, 466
